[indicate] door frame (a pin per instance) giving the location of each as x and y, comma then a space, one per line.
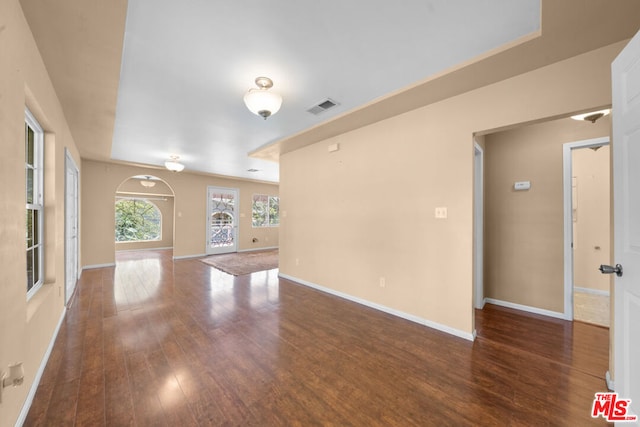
236, 210
478, 226
567, 172
71, 239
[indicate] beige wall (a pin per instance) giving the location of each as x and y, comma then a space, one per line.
367, 211
524, 237
591, 244
26, 327
160, 195
101, 180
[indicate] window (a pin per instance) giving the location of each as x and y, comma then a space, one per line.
137, 220
34, 161
266, 211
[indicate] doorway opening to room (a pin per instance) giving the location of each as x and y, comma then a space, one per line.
587, 193
519, 215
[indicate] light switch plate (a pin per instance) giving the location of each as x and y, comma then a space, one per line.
441, 213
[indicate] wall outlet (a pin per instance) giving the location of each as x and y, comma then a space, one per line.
297, 261
383, 282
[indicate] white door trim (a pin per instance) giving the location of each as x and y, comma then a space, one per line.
478, 226
71, 230
568, 216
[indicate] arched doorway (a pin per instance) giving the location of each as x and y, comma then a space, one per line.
144, 214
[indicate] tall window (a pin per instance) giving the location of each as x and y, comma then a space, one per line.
137, 220
34, 176
266, 211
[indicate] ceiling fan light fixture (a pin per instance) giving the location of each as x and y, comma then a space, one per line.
262, 101
173, 165
148, 183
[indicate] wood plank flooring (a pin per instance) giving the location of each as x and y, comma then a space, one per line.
153, 342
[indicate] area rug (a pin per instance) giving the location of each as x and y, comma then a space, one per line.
244, 262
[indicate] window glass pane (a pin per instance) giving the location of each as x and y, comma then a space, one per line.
36, 265
30, 145
36, 227
137, 220
259, 210
274, 210
29, 185
29, 224
29, 269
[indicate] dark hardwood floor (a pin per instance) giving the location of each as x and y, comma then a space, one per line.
153, 342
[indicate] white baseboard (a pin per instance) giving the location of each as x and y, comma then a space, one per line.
90, 267
258, 249
610, 384
189, 256
144, 249
452, 331
527, 308
484, 301
591, 291
36, 380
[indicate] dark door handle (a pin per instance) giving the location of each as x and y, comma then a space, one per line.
607, 269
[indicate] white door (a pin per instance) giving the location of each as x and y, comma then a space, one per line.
626, 194
71, 227
222, 225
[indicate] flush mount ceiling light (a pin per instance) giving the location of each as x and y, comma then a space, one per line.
147, 182
261, 101
173, 165
592, 116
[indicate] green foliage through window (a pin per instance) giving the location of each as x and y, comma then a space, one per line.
266, 211
137, 220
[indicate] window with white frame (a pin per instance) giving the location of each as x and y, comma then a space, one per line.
137, 220
265, 211
34, 177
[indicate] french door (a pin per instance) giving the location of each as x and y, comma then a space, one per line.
222, 224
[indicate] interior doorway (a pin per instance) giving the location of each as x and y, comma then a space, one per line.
587, 229
144, 214
523, 253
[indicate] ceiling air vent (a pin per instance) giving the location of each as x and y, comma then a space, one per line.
322, 106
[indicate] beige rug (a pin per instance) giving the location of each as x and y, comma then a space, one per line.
244, 262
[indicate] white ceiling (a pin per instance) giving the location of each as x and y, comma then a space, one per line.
186, 66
